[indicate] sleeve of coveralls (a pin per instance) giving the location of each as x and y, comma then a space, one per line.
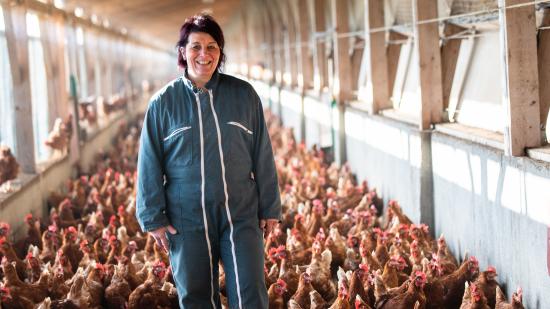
264, 171
150, 200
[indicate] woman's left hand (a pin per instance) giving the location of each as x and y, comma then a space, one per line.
267, 225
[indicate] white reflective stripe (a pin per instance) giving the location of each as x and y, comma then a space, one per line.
226, 198
240, 126
176, 131
202, 203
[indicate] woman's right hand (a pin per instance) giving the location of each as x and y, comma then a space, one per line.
160, 235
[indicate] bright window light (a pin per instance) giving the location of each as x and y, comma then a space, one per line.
95, 20
2, 26
79, 36
60, 4
79, 12
33, 25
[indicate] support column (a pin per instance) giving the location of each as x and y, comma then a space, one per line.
376, 47
305, 81
426, 37
521, 78
449, 57
342, 61
320, 75
16, 35
544, 71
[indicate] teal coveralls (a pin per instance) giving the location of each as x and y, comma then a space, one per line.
206, 166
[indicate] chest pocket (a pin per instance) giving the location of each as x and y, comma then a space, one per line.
240, 141
178, 146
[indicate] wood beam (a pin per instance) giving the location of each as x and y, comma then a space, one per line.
426, 37
16, 36
342, 63
320, 72
278, 46
269, 71
306, 60
376, 42
449, 57
544, 69
521, 80
393, 51
293, 42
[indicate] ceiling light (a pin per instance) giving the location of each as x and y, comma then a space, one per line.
95, 20
106, 23
78, 11
208, 11
124, 31
207, 1
59, 4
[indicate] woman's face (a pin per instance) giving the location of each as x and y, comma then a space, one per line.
202, 54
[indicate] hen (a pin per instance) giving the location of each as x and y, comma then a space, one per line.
116, 294
515, 303
149, 294
275, 295
408, 299
58, 138
9, 168
473, 298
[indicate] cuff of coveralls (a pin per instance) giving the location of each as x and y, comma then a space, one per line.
151, 226
266, 216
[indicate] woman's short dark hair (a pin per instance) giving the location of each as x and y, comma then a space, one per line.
200, 23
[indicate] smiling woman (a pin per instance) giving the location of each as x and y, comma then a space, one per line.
207, 183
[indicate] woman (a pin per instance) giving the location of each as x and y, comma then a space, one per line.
207, 184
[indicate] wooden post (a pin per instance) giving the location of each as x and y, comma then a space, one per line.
306, 65
269, 44
426, 37
544, 69
246, 45
16, 35
376, 47
342, 63
320, 72
449, 57
277, 47
521, 78
393, 51
294, 48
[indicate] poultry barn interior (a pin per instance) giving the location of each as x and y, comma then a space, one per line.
410, 140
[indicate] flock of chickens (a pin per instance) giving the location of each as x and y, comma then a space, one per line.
331, 250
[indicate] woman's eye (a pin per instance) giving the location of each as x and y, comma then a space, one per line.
196, 47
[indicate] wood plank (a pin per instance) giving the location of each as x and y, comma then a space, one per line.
449, 57
293, 42
320, 65
306, 59
278, 47
342, 63
269, 72
544, 68
393, 51
521, 80
427, 43
376, 42
49, 66
16, 36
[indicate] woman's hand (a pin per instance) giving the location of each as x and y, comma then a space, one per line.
160, 236
267, 225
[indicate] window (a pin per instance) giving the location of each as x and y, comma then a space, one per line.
7, 133
39, 89
81, 56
